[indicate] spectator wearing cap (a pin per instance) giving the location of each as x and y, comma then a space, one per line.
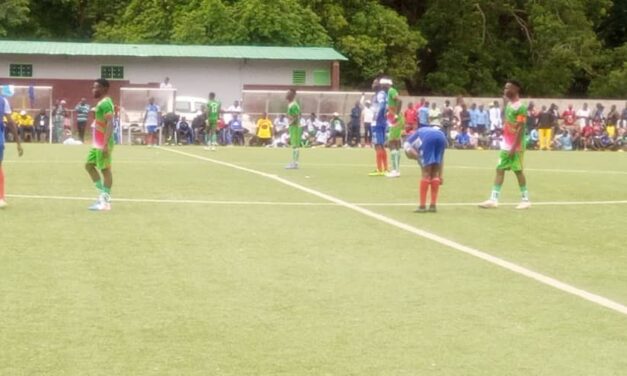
338, 129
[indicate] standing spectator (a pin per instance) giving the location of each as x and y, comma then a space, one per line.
237, 131
459, 107
198, 127
24, 122
483, 119
599, 116
612, 121
568, 117
545, 126
82, 116
151, 122
166, 84
264, 131
473, 116
496, 120
583, 116
435, 116
367, 115
464, 118
354, 134
170, 121
411, 118
58, 117
447, 119
280, 124
338, 129
532, 116
232, 111
623, 117
42, 126
423, 115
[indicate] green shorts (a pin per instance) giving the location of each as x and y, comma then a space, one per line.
212, 124
395, 133
96, 157
296, 136
514, 163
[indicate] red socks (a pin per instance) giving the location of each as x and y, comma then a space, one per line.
382, 159
435, 189
424, 187
1, 184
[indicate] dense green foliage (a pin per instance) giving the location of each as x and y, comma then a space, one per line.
555, 47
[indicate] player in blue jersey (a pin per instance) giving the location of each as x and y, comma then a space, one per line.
5, 121
427, 146
379, 130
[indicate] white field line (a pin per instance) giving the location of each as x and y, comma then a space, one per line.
365, 165
279, 203
546, 280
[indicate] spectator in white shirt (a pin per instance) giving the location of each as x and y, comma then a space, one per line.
280, 124
496, 121
435, 116
367, 118
234, 109
166, 84
583, 116
322, 137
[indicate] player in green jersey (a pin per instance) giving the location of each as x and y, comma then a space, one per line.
512, 147
213, 114
293, 115
99, 158
396, 124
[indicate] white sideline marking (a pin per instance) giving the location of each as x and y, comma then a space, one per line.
546, 280
283, 203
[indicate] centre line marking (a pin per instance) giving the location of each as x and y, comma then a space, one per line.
546, 280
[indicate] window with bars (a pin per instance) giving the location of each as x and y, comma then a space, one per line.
112, 72
20, 70
322, 77
299, 77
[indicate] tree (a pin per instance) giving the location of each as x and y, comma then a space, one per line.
13, 14
204, 22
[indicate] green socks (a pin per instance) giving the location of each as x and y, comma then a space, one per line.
524, 193
295, 155
496, 192
99, 186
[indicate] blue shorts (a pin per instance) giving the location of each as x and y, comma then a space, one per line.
152, 128
432, 148
378, 135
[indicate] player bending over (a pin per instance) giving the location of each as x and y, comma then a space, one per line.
99, 158
427, 146
512, 147
396, 124
5, 111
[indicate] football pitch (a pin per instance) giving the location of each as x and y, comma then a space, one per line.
224, 263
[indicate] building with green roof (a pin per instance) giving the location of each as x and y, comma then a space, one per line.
70, 68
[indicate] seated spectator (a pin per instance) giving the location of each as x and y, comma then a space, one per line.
462, 140
42, 126
474, 137
532, 139
323, 136
563, 141
263, 134
282, 140
338, 129
184, 132
312, 125
587, 134
224, 131
621, 140
280, 124
496, 137
24, 122
237, 130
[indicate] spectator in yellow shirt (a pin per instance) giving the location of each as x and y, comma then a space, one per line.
25, 125
264, 131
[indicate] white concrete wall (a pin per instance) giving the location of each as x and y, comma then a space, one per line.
194, 77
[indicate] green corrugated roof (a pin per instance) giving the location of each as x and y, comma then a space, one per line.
168, 50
